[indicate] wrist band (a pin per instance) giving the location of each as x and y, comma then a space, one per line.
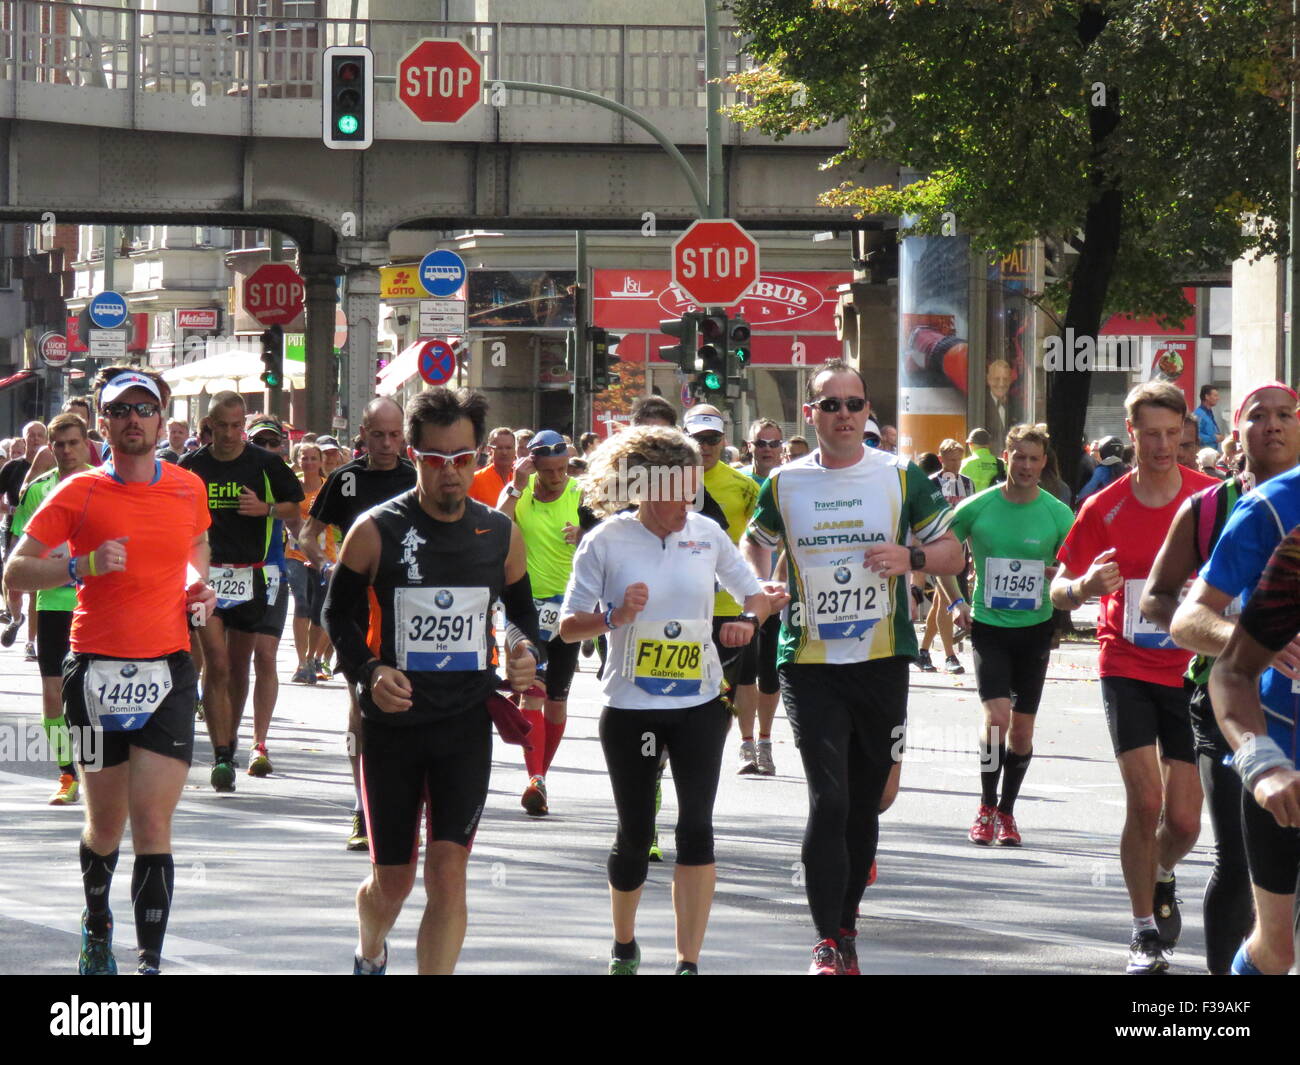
609, 619
955, 604
72, 571
1256, 757
90, 564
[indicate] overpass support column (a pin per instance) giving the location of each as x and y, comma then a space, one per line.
361, 304
322, 370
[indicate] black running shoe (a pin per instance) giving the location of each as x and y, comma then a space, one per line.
1169, 921
1146, 957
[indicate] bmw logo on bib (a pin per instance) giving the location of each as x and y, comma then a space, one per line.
843, 575
1015, 565
672, 630
130, 669
443, 599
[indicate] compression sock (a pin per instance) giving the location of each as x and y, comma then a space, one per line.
684, 967
1012, 777
535, 760
152, 880
96, 879
1242, 965
59, 741
1163, 875
625, 951
224, 753
554, 733
990, 770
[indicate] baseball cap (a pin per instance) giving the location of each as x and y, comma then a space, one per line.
328, 443
1241, 407
1110, 451
871, 429
126, 381
264, 427
703, 422
547, 438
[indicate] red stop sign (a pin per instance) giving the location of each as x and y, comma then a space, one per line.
440, 81
715, 262
274, 293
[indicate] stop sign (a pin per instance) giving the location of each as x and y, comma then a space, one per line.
715, 262
274, 293
440, 81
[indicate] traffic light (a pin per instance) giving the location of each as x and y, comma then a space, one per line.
738, 355
711, 359
273, 357
684, 330
348, 97
603, 343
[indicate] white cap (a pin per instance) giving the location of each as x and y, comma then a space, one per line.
126, 381
871, 427
703, 423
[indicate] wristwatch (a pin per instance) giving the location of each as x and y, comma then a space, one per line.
513, 492
749, 615
918, 558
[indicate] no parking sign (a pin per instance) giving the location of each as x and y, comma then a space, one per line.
437, 362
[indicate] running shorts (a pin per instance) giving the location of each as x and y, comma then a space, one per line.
1140, 714
1011, 663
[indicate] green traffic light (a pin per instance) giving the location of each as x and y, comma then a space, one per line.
348, 124
712, 381
742, 356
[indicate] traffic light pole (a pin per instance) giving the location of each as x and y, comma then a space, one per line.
581, 349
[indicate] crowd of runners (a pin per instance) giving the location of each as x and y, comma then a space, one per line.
456, 574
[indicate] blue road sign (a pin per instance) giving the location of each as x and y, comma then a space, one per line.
442, 273
108, 310
437, 362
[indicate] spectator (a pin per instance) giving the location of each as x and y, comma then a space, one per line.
796, 448
982, 468
1110, 467
1208, 434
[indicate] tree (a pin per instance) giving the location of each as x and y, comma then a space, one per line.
1148, 137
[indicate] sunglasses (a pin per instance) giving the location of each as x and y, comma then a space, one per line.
708, 439
123, 410
832, 404
546, 451
438, 459
766, 443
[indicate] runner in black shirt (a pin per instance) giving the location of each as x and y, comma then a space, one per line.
248, 488
349, 492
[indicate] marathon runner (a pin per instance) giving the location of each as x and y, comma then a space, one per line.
1014, 530
842, 515
491, 480
436, 561
647, 578
248, 488
1257, 524
352, 489
136, 530
1109, 553
54, 606
305, 580
955, 487
546, 504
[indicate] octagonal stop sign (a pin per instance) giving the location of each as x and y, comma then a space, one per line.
715, 262
274, 294
440, 80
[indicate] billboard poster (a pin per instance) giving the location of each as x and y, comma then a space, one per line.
521, 299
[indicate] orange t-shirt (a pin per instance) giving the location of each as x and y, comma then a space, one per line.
140, 612
487, 486
328, 545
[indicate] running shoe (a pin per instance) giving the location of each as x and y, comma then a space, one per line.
656, 851
981, 832
848, 948
145, 969
11, 631
1169, 921
923, 662
5, 616
260, 764
588, 648
748, 758
1146, 956
766, 767
67, 793
323, 671
304, 674
361, 967
619, 967
1008, 834
534, 798
825, 960
198, 710
359, 840
223, 777
96, 951
952, 665
29, 652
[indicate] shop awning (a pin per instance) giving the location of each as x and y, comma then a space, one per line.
405, 366
228, 371
17, 379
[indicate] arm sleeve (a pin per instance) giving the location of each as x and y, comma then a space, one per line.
285, 487
928, 514
586, 589
1272, 615
521, 615
734, 572
347, 588
765, 526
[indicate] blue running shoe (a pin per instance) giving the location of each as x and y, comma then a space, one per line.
361, 967
96, 951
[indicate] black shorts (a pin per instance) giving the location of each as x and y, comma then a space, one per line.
1140, 713
1272, 851
442, 766
52, 632
249, 616
169, 731
738, 663
836, 709
769, 637
275, 614
561, 665
1208, 737
1011, 663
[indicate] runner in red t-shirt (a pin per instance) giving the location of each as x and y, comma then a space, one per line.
1109, 552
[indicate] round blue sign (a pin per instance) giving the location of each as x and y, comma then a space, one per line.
437, 362
108, 310
442, 273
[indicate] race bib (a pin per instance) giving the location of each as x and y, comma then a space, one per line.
1013, 583
441, 630
1137, 629
272, 584
122, 696
233, 585
844, 601
670, 657
548, 616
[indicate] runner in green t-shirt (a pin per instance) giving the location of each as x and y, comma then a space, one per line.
1014, 531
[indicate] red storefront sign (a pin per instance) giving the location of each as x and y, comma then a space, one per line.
196, 318
1174, 355
137, 339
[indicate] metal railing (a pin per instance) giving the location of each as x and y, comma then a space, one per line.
83, 45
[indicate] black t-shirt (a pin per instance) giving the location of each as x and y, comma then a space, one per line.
354, 488
238, 539
11, 483
166, 454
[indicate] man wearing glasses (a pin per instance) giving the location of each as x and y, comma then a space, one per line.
435, 562
546, 504
842, 515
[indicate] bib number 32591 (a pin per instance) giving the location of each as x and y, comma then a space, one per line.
441, 630
122, 696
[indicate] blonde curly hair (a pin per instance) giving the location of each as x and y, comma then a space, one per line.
622, 469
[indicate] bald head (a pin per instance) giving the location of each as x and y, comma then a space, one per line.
379, 406
381, 432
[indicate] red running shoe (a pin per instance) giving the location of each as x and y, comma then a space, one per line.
871, 876
848, 949
825, 960
1008, 834
981, 832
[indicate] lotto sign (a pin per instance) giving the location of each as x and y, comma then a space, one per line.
715, 262
437, 362
440, 81
274, 293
